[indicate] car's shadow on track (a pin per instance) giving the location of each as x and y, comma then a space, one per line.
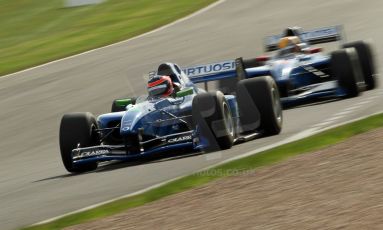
115, 165
54, 178
145, 161
313, 103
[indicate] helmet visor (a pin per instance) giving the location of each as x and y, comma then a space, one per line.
159, 87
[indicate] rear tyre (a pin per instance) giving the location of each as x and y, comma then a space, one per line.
345, 66
228, 86
367, 62
77, 128
213, 118
259, 105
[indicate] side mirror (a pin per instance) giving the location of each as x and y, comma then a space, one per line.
262, 58
184, 92
123, 102
314, 50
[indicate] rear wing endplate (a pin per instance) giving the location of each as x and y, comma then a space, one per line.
316, 36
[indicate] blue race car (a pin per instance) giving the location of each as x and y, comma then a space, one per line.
175, 116
303, 73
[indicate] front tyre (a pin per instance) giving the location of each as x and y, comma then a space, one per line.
77, 128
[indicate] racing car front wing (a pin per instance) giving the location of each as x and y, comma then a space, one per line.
82, 155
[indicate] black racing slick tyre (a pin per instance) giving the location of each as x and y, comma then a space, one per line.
259, 105
367, 62
228, 86
77, 128
212, 115
345, 67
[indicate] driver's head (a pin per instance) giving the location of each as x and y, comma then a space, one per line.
289, 42
160, 86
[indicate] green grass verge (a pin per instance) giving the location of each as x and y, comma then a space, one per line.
37, 31
268, 157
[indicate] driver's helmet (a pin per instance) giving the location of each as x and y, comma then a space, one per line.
290, 44
160, 86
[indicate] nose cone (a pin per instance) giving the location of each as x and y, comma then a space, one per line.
135, 117
128, 121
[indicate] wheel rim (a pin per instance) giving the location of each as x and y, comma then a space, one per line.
228, 119
277, 106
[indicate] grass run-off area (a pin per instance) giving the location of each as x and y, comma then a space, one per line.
38, 31
318, 141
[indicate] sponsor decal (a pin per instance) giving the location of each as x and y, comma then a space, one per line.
210, 68
92, 153
321, 33
180, 139
207, 69
126, 124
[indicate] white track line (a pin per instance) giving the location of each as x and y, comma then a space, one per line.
320, 125
326, 122
363, 102
297, 136
122, 42
333, 118
353, 108
343, 112
371, 98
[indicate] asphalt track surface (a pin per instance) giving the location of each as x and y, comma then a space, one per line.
33, 182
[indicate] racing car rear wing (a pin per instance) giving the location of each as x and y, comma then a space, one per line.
316, 36
217, 71
207, 72
210, 72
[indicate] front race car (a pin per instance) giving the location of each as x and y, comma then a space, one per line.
146, 128
189, 119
